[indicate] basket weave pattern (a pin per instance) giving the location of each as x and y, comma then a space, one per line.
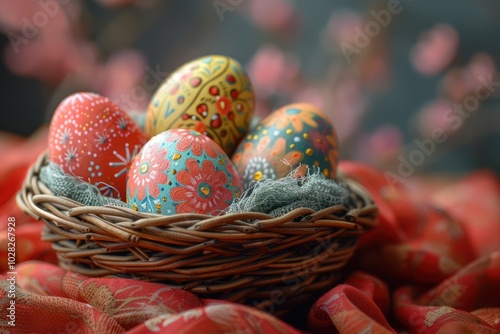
240, 257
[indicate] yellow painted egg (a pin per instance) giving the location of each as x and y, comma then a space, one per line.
297, 135
212, 95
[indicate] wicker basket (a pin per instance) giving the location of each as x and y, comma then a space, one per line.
269, 260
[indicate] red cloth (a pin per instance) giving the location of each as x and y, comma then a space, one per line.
432, 265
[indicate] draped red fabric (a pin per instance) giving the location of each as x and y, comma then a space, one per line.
432, 265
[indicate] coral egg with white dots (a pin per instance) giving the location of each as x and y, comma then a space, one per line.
91, 138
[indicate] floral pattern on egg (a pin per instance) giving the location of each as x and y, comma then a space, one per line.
91, 138
182, 171
212, 95
297, 135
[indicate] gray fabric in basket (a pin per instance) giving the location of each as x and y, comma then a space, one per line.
278, 197
65, 185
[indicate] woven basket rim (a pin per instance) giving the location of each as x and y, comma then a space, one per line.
223, 256
28, 201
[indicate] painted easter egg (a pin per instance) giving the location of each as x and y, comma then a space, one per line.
182, 171
212, 95
91, 138
295, 135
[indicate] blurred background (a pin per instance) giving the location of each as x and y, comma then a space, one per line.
395, 77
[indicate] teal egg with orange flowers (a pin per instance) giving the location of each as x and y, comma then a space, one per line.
182, 171
294, 137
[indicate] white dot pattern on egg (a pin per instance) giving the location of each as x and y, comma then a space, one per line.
90, 137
